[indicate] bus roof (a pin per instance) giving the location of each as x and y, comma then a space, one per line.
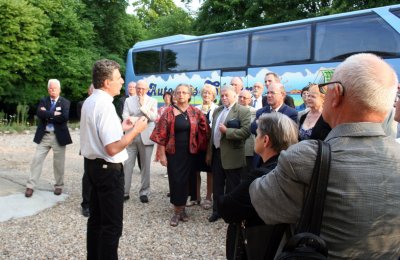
382, 11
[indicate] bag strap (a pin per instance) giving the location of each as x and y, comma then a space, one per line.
180, 110
313, 208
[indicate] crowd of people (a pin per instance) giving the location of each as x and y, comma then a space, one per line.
258, 153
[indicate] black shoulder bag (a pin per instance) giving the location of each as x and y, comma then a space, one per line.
306, 243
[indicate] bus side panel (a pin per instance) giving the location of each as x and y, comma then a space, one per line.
161, 83
294, 77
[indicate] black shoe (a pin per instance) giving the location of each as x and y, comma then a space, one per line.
144, 199
85, 212
126, 197
214, 217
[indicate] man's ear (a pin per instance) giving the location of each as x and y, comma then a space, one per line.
337, 99
266, 141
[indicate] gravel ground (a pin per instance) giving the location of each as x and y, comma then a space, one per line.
60, 232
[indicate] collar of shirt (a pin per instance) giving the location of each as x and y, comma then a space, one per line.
276, 109
104, 94
229, 108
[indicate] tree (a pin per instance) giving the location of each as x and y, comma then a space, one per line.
24, 32
71, 51
149, 11
115, 30
178, 22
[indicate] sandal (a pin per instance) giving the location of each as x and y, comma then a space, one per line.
183, 216
206, 204
192, 203
175, 220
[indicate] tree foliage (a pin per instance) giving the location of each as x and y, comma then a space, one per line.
43, 39
24, 31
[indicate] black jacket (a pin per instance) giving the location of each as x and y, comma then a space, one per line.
60, 122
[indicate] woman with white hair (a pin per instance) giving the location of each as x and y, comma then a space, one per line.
208, 94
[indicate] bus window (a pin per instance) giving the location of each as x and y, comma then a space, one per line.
281, 46
338, 39
181, 57
224, 52
147, 61
396, 12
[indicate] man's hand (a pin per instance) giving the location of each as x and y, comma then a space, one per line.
43, 108
129, 123
140, 124
163, 160
222, 128
56, 113
141, 100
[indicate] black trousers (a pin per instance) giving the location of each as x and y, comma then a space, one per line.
86, 188
224, 180
104, 226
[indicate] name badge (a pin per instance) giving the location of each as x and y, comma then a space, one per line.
58, 108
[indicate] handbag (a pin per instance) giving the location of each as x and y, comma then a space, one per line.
306, 243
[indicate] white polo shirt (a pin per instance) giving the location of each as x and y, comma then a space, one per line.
100, 126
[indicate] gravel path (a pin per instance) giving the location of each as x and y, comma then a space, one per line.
60, 232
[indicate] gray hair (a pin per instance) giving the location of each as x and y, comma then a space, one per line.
367, 80
55, 81
188, 86
228, 88
142, 82
281, 130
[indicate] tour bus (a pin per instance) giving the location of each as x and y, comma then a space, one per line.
300, 52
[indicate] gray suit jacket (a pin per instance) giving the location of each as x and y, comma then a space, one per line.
232, 142
362, 209
133, 108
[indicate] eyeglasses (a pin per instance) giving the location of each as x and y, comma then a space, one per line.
181, 93
244, 97
323, 90
139, 88
273, 92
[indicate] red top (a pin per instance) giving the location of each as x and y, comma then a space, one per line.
164, 132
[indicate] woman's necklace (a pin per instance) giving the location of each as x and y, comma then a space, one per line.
205, 108
182, 113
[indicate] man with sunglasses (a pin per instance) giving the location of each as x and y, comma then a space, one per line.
361, 212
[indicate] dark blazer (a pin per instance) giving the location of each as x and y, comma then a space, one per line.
232, 142
236, 206
285, 109
60, 122
321, 129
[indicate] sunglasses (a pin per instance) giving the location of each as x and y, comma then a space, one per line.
323, 87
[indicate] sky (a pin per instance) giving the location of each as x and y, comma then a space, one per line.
193, 7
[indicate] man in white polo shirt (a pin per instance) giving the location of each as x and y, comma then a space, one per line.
103, 146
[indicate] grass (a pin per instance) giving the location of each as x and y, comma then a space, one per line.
17, 128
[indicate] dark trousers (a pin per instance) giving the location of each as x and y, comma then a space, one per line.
224, 181
104, 226
249, 165
86, 188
